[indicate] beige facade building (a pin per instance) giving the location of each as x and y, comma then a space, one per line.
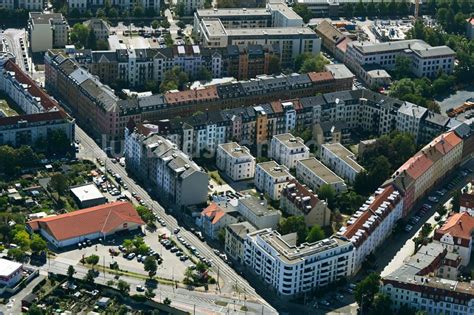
47, 30
235, 235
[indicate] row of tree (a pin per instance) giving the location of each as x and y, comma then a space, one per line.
296, 224
83, 37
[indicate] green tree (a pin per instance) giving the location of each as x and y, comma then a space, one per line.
179, 9
166, 301
92, 260
366, 290
466, 6
78, 35
371, 8
123, 286
155, 24
274, 66
392, 8
113, 13
315, 234
146, 214
181, 24
100, 13
59, 184
456, 202
174, 79
35, 310
402, 8
138, 11
150, 266
350, 201
204, 74
165, 23
349, 10
315, 63
402, 67
221, 236
303, 11
38, 244
70, 272
326, 192
22, 239
17, 254
359, 9
91, 40
90, 276
382, 8
294, 224
382, 305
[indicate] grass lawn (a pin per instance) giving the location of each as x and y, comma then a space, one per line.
6, 109
217, 177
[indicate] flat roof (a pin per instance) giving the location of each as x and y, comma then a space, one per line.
7, 267
339, 71
289, 140
229, 12
259, 207
344, 154
270, 31
418, 46
274, 170
86, 192
291, 253
321, 170
214, 27
236, 150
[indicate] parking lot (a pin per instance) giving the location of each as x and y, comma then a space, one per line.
170, 268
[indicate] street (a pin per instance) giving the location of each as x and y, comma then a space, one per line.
90, 150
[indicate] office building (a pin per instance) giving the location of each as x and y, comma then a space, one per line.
314, 174
235, 161
47, 31
342, 161
297, 199
292, 269
426, 61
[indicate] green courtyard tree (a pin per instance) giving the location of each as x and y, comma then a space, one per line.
78, 35
38, 244
366, 290
327, 192
315, 234
123, 286
150, 266
59, 184
294, 224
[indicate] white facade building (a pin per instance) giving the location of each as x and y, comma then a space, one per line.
340, 160
373, 222
287, 149
258, 212
409, 118
10, 272
291, 269
426, 61
270, 178
314, 174
47, 30
235, 161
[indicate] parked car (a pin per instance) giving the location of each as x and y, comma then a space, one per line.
433, 199
131, 256
140, 288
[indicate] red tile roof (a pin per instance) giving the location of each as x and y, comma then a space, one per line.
213, 212
47, 102
205, 94
320, 76
352, 229
104, 219
48, 116
300, 191
459, 226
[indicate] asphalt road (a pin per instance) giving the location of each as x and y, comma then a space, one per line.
89, 149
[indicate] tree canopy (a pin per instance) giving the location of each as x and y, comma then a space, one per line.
294, 224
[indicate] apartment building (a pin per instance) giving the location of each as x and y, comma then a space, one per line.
258, 212
342, 161
125, 5
426, 61
94, 104
275, 14
373, 222
314, 174
292, 269
332, 132
100, 27
47, 31
423, 283
409, 119
28, 129
467, 202
235, 161
270, 178
456, 235
297, 199
427, 167
246, 62
287, 149
29, 5
190, 6
291, 41
169, 172
217, 216
235, 235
